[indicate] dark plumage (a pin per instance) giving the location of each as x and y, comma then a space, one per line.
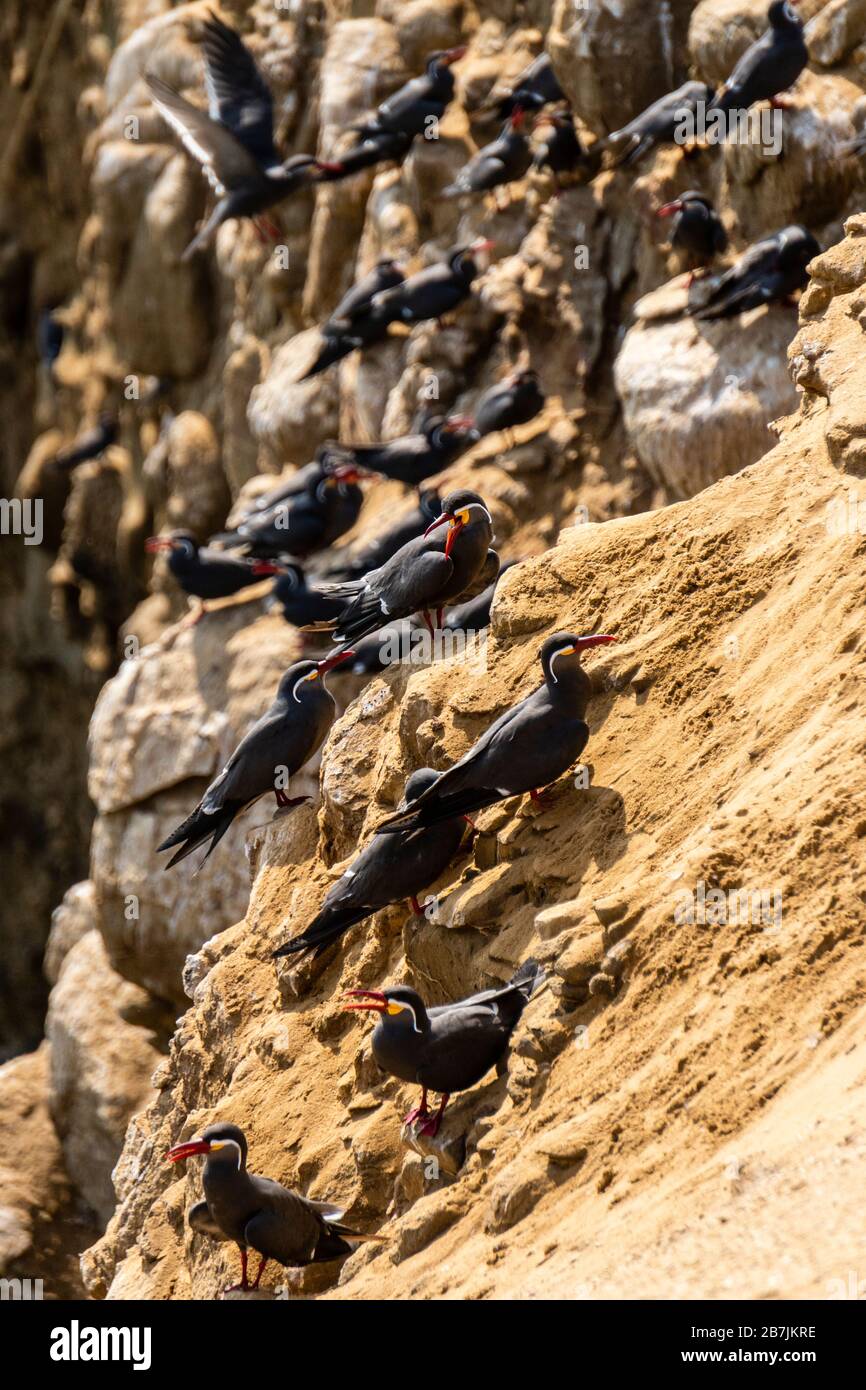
770, 65
374, 146
233, 140
474, 614
536, 86
658, 124
258, 1213
529, 746
502, 161
49, 338
768, 272
301, 605
204, 573
353, 562
697, 229
514, 401
346, 328
430, 293
424, 575
414, 457
420, 103
90, 444
301, 520
561, 151
449, 1048
276, 747
388, 869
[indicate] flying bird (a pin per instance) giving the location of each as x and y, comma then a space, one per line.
528, 747
514, 401
697, 229
445, 1049
389, 868
258, 1213
770, 271
425, 575
413, 457
234, 139
503, 161
770, 65
276, 747
658, 124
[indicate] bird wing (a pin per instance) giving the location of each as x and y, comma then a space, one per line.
226, 162
251, 769
286, 1228
238, 96
748, 279
486, 576
200, 1219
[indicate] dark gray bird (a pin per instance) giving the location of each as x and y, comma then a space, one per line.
301, 605
514, 401
391, 867
504, 160
419, 104
413, 457
528, 747
301, 520
658, 124
770, 65
353, 563
767, 273
561, 151
449, 1048
429, 294
258, 1213
374, 146
535, 87
276, 747
90, 444
234, 139
204, 573
346, 329
424, 575
697, 229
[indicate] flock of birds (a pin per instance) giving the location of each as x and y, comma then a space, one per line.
436, 563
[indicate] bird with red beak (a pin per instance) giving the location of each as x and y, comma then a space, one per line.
529, 746
206, 573
503, 161
258, 1213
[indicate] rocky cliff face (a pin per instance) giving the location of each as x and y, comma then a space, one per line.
692, 1073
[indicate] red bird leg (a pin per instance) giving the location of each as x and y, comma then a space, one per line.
780, 103
535, 796
416, 906
430, 1127
243, 1284
427, 623
440, 617
420, 1111
255, 1284
282, 799
469, 821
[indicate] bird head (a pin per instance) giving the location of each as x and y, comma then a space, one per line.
460, 509
227, 1142
420, 781
456, 427
303, 675
782, 14
398, 1002
563, 650
692, 198
180, 542
444, 58
465, 259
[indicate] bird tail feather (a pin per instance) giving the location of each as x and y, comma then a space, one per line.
323, 931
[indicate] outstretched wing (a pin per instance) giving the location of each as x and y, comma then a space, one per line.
224, 159
238, 96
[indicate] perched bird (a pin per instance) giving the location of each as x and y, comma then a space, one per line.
354, 562
424, 575
445, 1049
768, 272
413, 457
658, 124
697, 229
561, 152
204, 573
234, 139
535, 87
528, 747
90, 444
345, 329
514, 401
276, 747
502, 161
770, 65
419, 104
429, 294
389, 868
301, 605
302, 521
258, 1213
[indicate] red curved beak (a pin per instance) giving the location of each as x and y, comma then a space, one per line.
598, 639
482, 244
329, 166
668, 209
373, 1001
333, 660
440, 521
518, 116
188, 1150
264, 567
153, 544
453, 55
